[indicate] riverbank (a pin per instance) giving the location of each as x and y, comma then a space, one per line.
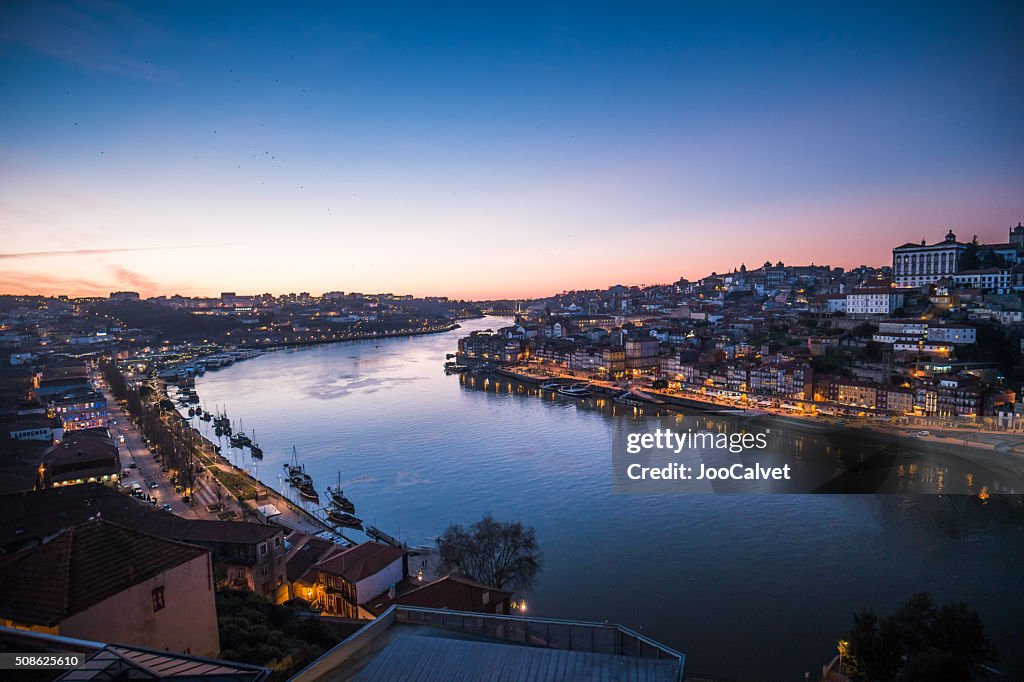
314, 340
995, 457
419, 450
247, 491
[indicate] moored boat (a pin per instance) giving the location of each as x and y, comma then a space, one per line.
575, 391
338, 499
342, 519
294, 469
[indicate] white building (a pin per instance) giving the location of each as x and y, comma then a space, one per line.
873, 301
914, 265
959, 334
998, 280
912, 326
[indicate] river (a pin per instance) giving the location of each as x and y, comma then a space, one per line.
750, 587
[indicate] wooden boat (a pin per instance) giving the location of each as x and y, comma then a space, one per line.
294, 468
340, 518
338, 499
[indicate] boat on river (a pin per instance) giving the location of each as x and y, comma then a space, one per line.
340, 518
294, 469
338, 499
575, 391
255, 449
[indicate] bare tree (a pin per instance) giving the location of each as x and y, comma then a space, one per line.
502, 554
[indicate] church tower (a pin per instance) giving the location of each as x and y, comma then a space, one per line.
1017, 237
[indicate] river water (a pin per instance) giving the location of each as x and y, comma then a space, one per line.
749, 587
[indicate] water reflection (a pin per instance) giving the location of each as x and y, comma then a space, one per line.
775, 577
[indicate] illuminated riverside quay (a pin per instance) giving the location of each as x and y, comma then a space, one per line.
748, 586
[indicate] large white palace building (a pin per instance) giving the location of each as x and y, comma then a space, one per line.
915, 265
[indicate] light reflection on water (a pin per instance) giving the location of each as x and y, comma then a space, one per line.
748, 586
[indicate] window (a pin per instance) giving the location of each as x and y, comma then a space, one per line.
158, 598
263, 549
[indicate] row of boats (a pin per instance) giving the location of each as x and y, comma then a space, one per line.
573, 390
198, 366
222, 427
341, 510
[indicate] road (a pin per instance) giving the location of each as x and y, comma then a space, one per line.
148, 471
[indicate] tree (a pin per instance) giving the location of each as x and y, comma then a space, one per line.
919, 641
863, 330
502, 554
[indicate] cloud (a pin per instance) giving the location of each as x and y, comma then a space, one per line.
93, 35
134, 279
45, 284
96, 252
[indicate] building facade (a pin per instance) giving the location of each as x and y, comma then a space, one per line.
915, 265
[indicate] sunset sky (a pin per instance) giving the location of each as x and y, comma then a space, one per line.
472, 151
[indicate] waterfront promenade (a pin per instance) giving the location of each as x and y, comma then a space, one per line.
211, 498
1001, 449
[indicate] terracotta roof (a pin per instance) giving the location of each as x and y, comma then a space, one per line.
305, 556
101, 451
205, 530
454, 593
32, 515
361, 561
81, 567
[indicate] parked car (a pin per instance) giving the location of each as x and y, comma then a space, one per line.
167, 507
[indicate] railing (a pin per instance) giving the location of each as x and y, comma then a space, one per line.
346, 649
29, 640
600, 638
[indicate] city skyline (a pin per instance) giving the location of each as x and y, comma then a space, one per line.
177, 149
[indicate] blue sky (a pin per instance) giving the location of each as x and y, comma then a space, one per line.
405, 147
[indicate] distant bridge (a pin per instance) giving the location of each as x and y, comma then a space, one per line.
504, 309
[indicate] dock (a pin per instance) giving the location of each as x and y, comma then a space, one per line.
377, 534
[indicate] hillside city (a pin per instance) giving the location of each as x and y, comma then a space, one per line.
95, 455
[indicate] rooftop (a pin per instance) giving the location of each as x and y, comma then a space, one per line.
309, 551
422, 657
81, 567
32, 515
361, 561
80, 450
450, 592
116, 661
430, 645
204, 530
